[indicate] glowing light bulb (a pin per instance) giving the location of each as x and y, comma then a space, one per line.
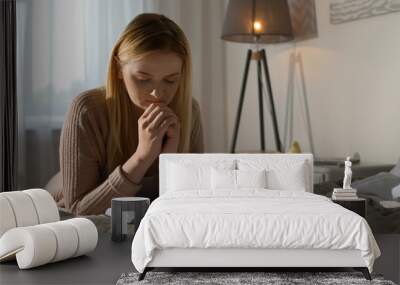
257, 26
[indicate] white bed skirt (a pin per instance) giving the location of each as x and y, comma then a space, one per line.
194, 257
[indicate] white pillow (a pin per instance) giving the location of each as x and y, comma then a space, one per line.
236, 179
294, 178
188, 176
396, 169
396, 192
223, 178
281, 174
251, 178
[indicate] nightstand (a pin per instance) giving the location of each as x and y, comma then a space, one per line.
358, 205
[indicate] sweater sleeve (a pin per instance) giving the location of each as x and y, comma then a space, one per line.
81, 166
196, 137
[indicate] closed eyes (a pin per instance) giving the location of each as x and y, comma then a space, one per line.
170, 81
149, 80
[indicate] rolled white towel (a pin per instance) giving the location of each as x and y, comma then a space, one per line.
26, 208
87, 235
7, 218
46, 207
67, 240
32, 246
23, 209
40, 244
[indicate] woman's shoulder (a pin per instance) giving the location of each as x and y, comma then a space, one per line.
195, 108
93, 99
88, 110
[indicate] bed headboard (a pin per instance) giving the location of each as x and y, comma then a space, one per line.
275, 159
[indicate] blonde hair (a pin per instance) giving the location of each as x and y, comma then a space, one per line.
145, 33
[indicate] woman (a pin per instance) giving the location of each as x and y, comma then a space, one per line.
112, 136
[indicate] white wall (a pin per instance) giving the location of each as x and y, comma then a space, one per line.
352, 73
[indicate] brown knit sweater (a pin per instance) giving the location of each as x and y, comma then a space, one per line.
87, 187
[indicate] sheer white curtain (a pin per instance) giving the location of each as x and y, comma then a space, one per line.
63, 48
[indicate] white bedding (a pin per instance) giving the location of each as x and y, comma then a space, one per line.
250, 218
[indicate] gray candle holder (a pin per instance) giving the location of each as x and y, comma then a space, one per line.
126, 214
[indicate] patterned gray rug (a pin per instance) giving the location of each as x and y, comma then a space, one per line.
273, 278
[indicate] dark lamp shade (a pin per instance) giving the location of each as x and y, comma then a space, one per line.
272, 18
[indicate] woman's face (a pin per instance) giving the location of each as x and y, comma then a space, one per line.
153, 78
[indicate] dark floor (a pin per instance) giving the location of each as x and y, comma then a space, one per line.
389, 262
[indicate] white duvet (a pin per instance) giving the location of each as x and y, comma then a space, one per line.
251, 218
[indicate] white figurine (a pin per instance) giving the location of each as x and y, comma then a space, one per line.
347, 174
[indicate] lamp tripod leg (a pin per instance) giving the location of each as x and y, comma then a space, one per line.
240, 105
261, 105
304, 88
288, 130
271, 101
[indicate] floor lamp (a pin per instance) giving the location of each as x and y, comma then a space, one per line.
296, 60
257, 22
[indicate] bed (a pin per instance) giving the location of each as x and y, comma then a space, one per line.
247, 210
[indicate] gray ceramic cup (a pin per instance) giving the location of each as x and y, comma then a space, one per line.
126, 214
